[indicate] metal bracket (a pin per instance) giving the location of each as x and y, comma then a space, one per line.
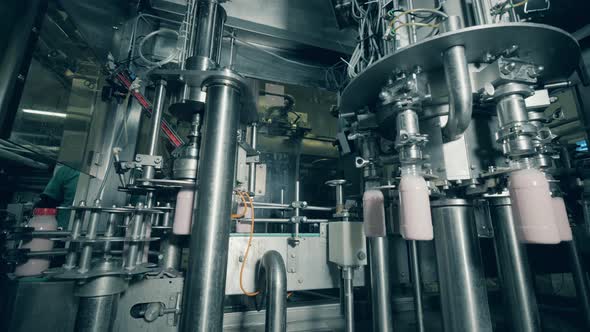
147, 160
298, 219
292, 259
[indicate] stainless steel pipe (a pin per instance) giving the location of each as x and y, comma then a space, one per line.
380, 290
272, 267
463, 294
205, 280
97, 314
516, 279
417, 285
348, 294
154, 132
580, 281
458, 84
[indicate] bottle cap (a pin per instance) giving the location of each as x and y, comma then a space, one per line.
44, 212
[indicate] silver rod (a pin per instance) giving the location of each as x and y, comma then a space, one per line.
86, 257
380, 290
580, 281
205, 280
417, 285
252, 165
513, 267
135, 234
273, 267
348, 293
72, 257
282, 220
463, 294
110, 231
412, 36
296, 210
154, 132
170, 252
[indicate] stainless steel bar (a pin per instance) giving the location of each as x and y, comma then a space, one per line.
86, 256
463, 294
170, 252
283, 220
205, 280
110, 232
54, 252
296, 210
252, 165
580, 281
72, 256
516, 279
135, 234
154, 132
96, 314
348, 294
275, 290
417, 285
380, 290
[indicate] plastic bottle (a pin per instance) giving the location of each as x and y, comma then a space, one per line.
183, 214
43, 220
414, 207
533, 207
561, 219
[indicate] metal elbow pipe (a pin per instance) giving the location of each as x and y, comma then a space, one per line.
272, 270
460, 95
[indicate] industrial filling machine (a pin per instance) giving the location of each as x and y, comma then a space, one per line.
333, 165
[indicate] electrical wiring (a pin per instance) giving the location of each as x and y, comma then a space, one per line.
250, 236
246, 207
416, 24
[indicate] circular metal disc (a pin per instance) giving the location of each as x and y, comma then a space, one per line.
540, 44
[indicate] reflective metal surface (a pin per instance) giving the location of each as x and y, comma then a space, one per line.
272, 267
538, 43
380, 289
205, 280
417, 285
463, 293
517, 284
97, 314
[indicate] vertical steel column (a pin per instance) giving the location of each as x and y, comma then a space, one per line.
518, 290
348, 292
97, 314
417, 285
380, 292
463, 294
205, 280
580, 280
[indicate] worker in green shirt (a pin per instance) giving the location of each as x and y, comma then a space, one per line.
60, 191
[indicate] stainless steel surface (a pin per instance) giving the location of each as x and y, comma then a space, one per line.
463, 293
91, 232
154, 131
210, 18
417, 285
516, 279
205, 280
310, 273
539, 44
18, 36
460, 95
380, 288
348, 294
97, 314
252, 165
580, 281
272, 266
171, 252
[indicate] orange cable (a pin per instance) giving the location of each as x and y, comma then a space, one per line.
239, 216
248, 250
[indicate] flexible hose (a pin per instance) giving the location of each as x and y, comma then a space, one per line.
150, 35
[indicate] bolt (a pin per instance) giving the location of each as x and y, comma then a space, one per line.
292, 255
157, 161
300, 280
508, 68
20, 77
138, 158
361, 255
241, 259
292, 270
